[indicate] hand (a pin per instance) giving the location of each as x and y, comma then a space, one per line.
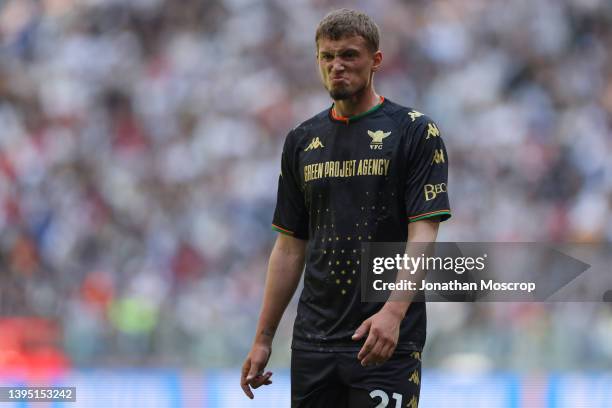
383, 332
253, 369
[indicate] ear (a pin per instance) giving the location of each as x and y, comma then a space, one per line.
377, 57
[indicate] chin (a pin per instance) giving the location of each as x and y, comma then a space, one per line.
340, 95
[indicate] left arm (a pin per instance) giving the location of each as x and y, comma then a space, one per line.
383, 327
426, 201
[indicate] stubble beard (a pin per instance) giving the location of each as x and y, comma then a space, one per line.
344, 93
340, 94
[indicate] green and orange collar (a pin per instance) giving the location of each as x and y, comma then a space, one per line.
347, 120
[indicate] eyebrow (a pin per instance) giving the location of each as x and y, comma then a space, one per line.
342, 51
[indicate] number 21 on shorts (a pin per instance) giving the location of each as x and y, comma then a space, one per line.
384, 398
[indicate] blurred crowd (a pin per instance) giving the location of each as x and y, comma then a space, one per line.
140, 146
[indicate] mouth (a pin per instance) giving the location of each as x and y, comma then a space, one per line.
338, 80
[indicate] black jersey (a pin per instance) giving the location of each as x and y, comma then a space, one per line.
345, 182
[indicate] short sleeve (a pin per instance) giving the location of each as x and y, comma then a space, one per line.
290, 214
427, 174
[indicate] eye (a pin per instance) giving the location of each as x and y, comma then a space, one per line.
326, 57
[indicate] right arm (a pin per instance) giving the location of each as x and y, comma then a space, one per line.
284, 271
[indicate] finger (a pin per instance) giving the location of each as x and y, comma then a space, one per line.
260, 380
259, 376
374, 356
245, 368
243, 381
268, 381
256, 369
247, 390
386, 353
389, 351
367, 346
362, 330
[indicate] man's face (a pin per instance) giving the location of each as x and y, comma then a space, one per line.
346, 65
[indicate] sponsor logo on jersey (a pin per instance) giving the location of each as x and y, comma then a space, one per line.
346, 168
414, 114
315, 143
377, 139
438, 156
432, 131
432, 190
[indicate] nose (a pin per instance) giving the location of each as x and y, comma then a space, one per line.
336, 66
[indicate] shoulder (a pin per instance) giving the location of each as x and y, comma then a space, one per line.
314, 122
406, 116
411, 120
301, 131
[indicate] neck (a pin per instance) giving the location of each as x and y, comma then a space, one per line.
357, 103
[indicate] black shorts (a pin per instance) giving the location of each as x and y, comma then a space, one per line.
338, 380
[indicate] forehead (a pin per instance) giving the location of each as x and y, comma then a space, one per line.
347, 42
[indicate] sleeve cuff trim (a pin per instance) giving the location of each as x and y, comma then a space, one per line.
429, 215
282, 230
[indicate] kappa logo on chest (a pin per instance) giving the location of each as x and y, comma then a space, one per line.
315, 143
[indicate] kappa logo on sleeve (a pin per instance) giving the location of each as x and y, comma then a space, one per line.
432, 131
438, 157
315, 143
377, 139
414, 114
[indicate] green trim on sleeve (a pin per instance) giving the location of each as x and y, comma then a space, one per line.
282, 230
445, 213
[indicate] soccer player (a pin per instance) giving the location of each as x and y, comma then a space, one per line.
364, 170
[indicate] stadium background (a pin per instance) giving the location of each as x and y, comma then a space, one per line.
139, 153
